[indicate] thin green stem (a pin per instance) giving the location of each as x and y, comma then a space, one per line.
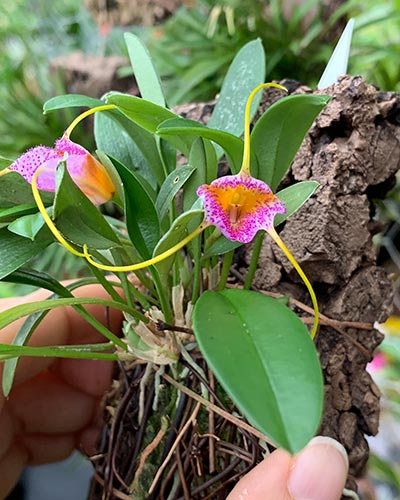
226, 266
196, 273
257, 245
274, 235
107, 285
164, 301
150, 262
57, 352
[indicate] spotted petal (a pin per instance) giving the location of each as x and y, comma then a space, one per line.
89, 175
239, 206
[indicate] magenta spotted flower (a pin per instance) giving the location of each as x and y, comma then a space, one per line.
88, 174
240, 205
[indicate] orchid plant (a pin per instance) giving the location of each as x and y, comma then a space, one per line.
180, 227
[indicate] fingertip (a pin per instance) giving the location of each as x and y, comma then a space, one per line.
267, 481
319, 471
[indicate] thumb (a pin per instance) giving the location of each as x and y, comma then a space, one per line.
318, 472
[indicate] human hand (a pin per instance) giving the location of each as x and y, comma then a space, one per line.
318, 472
53, 406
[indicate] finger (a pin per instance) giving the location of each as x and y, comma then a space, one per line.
11, 467
7, 432
267, 481
318, 472
91, 377
47, 405
45, 448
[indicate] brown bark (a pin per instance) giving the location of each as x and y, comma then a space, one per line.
353, 151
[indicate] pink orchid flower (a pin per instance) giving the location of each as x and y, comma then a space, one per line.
87, 173
240, 205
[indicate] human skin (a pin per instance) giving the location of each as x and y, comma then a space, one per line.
53, 408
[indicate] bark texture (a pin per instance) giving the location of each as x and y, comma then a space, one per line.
353, 151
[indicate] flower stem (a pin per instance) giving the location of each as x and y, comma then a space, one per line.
258, 240
5, 171
226, 266
87, 113
146, 263
246, 151
274, 235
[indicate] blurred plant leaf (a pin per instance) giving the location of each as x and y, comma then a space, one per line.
145, 74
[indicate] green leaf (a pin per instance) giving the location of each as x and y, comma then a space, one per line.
171, 186
15, 251
198, 73
265, 360
5, 162
22, 336
204, 159
130, 144
141, 215
70, 101
27, 226
245, 73
14, 190
278, 134
186, 130
176, 233
294, 197
76, 216
220, 246
145, 74
145, 113
21, 310
11, 213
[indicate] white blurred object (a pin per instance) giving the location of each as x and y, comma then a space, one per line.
337, 64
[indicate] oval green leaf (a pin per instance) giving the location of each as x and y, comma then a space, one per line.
142, 221
187, 130
170, 187
70, 101
77, 218
264, 358
294, 197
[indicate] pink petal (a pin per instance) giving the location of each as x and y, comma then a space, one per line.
239, 206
